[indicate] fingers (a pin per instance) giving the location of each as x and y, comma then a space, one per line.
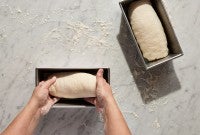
55, 99
100, 73
41, 83
45, 109
49, 82
90, 100
100, 80
52, 101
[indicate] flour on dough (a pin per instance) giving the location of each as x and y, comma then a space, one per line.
148, 30
74, 85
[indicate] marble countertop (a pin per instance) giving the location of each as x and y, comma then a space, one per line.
92, 33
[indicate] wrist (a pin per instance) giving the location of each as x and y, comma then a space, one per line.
109, 101
110, 106
34, 106
34, 103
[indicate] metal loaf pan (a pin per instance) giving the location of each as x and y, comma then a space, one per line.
173, 44
43, 73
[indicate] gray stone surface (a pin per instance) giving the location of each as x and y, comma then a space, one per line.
92, 33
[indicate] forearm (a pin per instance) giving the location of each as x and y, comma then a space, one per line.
114, 121
34, 122
25, 121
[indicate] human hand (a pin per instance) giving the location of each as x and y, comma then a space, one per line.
41, 96
103, 92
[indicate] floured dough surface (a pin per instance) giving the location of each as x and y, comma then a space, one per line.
74, 85
148, 30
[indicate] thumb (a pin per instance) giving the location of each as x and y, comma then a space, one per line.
100, 73
55, 99
45, 109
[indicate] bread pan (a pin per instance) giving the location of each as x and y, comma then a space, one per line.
43, 73
174, 47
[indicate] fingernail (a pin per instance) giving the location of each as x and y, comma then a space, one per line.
54, 78
101, 71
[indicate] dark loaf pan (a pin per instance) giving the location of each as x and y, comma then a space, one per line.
43, 73
173, 44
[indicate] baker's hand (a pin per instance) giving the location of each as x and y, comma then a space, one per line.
103, 92
41, 96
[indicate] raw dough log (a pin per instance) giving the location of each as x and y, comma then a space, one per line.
74, 85
148, 30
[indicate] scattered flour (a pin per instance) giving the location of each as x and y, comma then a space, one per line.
69, 33
19, 10
136, 116
156, 124
78, 32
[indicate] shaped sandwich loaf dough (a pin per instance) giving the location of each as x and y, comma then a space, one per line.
148, 30
74, 85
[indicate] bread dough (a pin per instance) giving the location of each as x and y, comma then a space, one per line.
74, 85
148, 30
